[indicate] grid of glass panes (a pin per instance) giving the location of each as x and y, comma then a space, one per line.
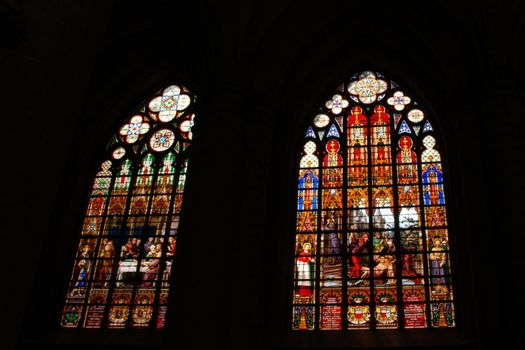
371, 243
122, 271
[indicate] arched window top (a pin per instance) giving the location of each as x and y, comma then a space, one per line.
372, 238
122, 271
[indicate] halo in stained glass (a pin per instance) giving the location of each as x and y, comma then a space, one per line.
119, 153
161, 140
416, 115
321, 120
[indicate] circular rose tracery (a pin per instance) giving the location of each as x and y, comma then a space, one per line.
161, 140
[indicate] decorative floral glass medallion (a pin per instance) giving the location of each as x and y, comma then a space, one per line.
367, 87
161, 140
134, 129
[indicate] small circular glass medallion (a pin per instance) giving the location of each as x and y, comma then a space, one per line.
416, 115
119, 153
161, 140
321, 120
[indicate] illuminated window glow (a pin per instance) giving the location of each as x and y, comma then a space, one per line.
372, 238
122, 272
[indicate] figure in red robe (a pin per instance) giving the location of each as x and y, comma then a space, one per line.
304, 273
407, 159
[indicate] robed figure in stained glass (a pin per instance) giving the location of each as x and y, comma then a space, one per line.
304, 263
358, 247
308, 185
105, 263
333, 158
433, 185
406, 159
81, 274
438, 262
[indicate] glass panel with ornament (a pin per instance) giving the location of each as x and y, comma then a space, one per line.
372, 242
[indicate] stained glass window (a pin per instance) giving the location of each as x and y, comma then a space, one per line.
372, 240
122, 271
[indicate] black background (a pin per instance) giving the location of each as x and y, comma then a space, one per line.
71, 72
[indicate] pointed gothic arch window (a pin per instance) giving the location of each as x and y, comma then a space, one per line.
122, 270
372, 239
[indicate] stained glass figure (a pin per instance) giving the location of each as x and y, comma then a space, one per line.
121, 272
308, 185
372, 239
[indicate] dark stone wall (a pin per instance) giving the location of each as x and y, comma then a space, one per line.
70, 72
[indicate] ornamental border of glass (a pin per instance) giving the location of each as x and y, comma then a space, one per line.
371, 239
122, 271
